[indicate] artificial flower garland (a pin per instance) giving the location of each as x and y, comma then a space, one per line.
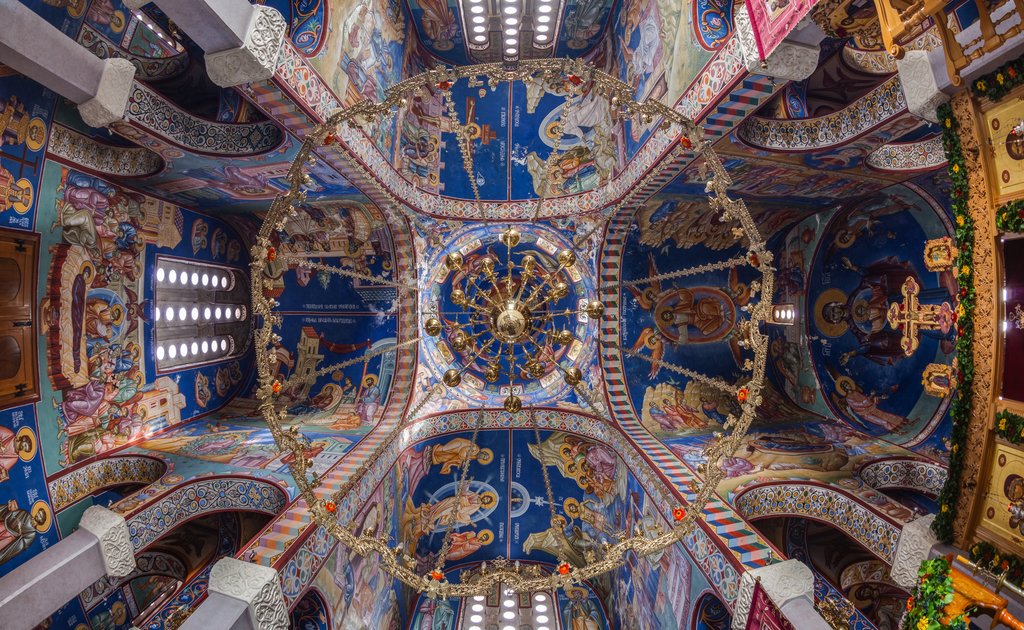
960, 409
927, 603
988, 557
1010, 427
1010, 218
998, 83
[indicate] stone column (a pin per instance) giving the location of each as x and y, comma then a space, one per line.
35, 590
794, 59
790, 585
35, 48
242, 41
923, 77
241, 596
913, 547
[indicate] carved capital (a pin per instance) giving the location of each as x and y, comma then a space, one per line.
920, 85
783, 581
256, 585
257, 59
790, 61
111, 99
916, 540
115, 544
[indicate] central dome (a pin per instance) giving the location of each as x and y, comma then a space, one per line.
505, 311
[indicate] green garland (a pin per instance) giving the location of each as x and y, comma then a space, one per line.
960, 409
928, 600
988, 557
1010, 218
1010, 427
998, 83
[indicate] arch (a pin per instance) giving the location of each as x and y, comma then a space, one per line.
105, 159
311, 612
150, 111
904, 473
147, 68
710, 613
850, 514
880, 106
201, 497
908, 157
102, 474
149, 563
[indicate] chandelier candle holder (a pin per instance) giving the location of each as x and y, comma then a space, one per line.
510, 315
514, 315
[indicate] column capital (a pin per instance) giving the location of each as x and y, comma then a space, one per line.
782, 581
916, 540
111, 99
922, 86
115, 543
790, 61
256, 585
256, 60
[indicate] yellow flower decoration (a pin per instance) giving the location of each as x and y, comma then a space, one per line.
999, 77
956, 447
1002, 424
945, 508
1022, 432
981, 86
965, 271
956, 168
949, 123
922, 624
960, 220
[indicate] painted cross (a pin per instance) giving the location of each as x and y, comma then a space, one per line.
911, 317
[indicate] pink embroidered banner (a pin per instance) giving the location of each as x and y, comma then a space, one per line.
772, 20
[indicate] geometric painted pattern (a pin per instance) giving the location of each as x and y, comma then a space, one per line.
202, 497
901, 473
104, 473
823, 503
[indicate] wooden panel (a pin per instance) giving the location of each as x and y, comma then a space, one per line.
1005, 150
19, 380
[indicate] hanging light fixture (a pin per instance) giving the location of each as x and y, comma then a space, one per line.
513, 316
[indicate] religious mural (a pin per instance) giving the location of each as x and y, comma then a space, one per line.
25, 109
357, 593
27, 524
96, 308
848, 273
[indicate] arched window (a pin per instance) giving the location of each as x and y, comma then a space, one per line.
201, 313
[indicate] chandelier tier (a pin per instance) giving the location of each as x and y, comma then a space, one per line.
516, 316
510, 319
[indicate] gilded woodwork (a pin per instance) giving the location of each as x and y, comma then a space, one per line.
986, 338
1004, 149
968, 594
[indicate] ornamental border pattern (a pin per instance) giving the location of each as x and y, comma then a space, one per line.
902, 157
103, 158
826, 504
203, 496
912, 474
882, 104
152, 112
96, 475
985, 342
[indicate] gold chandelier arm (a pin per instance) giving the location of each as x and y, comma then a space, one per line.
731, 263
717, 383
369, 354
347, 273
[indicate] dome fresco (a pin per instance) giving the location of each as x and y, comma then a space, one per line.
475, 406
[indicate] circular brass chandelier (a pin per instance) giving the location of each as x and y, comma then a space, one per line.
511, 315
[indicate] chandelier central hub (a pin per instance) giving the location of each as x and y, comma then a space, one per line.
512, 321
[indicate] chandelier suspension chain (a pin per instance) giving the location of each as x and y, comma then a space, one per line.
347, 273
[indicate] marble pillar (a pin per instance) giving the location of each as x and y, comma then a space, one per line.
242, 41
35, 590
241, 596
32, 46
